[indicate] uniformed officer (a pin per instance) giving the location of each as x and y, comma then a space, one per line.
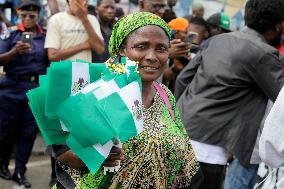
23, 62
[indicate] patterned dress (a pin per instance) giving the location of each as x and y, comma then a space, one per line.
160, 157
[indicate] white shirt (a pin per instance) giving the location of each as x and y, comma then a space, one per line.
211, 154
65, 30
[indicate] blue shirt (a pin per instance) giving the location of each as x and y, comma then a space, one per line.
33, 63
100, 58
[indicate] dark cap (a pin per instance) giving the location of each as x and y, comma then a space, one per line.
29, 6
220, 20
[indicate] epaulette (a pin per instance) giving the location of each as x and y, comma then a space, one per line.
7, 33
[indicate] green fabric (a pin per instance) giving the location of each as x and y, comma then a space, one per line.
225, 21
125, 127
162, 144
60, 83
83, 117
90, 156
130, 23
50, 128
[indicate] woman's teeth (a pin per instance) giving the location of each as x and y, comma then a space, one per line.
149, 68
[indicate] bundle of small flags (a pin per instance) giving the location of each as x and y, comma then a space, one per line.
88, 106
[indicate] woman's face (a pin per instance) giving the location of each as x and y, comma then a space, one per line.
149, 46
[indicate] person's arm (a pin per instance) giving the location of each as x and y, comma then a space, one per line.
53, 43
71, 160
67, 157
20, 48
5, 58
267, 74
96, 43
186, 75
271, 143
62, 54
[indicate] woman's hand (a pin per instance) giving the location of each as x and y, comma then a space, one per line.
116, 154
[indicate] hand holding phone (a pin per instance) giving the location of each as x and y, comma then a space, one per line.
27, 37
22, 47
178, 48
192, 36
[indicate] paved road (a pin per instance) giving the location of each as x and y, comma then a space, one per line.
38, 173
38, 168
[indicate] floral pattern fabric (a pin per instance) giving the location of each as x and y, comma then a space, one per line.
160, 157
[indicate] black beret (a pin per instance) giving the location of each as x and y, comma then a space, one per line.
29, 6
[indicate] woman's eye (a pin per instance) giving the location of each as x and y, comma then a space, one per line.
162, 49
139, 47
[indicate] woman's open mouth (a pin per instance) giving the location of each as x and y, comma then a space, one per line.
149, 68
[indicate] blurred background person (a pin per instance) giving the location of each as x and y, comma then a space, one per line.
198, 10
198, 26
169, 12
179, 27
23, 62
218, 23
73, 34
106, 15
223, 94
177, 48
119, 12
153, 6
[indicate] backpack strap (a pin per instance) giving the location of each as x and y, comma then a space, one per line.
165, 98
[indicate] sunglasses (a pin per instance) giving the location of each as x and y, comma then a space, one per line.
30, 16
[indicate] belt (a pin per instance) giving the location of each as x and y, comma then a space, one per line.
24, 78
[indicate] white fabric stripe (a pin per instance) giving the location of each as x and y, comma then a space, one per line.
92, 86
105, 149
63, 127
129, 63
106, 89
79, 70
129, 94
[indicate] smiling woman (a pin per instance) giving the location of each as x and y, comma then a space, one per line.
161, 156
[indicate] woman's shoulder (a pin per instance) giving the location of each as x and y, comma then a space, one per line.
169, 93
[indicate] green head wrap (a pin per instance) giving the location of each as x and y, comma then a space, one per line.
130, 23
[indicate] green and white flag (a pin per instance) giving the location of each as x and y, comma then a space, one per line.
50, 128
93, 156
124, 111
89, 117
81, 115
66, 79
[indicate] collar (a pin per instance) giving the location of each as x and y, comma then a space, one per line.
22, 28
254, 33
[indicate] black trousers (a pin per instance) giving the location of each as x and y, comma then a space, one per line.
213, 175
17, 126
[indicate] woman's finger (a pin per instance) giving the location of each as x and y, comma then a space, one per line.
116, 150
110, 163
115, 157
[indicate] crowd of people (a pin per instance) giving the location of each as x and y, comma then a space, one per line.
206, 91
